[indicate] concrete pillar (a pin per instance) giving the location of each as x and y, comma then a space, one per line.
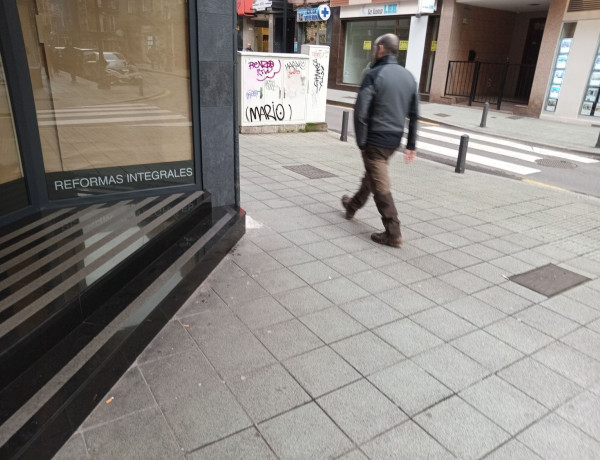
416, 45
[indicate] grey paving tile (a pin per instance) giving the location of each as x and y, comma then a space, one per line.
305, 432
453, 239
302, 301
340, 290
546, 321
541, 383
572, 309
279, 280
73, 449
461, 429
332, 324
437, 290
594, 325
451, 367
204, 416
583, 411
361, 411
245, 247
373, 281
202, 300
323, 249
508, 407
247, 445
524, 292
405, 300
315, 272
505, 245
330, 231
302, 236
586, 341
458, 258
321, 371
429, 245
347, 264
370, 311
432, 265
443, 323
353, 243
473, 234
191, 368
488, 272
511, 265
426, 228
408, 337
130, 394
410, 387
585, 295
367, 352
519, 335
570, 363
555, 439
475, 311
288, 339
405, 273
406, 442
291, 256
487, 350
503, 300
482, 252
237, 290
513, 450
465, 281
377, 257
353, 455
172, 339
267, 392
254, 264
261, 312
144, 434
272, 242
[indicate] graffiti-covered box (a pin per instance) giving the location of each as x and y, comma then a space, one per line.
282, 92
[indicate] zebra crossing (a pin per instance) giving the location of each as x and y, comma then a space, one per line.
501, 154
138, 114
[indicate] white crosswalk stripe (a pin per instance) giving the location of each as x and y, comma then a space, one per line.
503, 154
136, 114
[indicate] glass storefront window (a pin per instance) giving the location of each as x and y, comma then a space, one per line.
560, 64
111, 85
591, 101
12, 183
360, 36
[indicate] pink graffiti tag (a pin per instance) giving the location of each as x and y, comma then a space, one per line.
265, 69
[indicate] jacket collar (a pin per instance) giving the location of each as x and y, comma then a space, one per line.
389, 59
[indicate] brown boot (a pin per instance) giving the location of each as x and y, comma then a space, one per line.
384, 238
346, 203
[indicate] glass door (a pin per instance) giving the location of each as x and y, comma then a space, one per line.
111, 85
13, 191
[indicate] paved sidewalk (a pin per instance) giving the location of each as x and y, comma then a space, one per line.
574, 137
309, 341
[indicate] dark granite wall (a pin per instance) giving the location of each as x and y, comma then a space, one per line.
216, 54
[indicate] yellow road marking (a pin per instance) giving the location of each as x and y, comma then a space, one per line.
541, 184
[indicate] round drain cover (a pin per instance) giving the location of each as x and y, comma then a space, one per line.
553, 163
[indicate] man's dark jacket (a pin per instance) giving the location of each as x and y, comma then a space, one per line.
388, 95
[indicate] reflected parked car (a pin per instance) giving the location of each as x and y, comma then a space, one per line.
117, 70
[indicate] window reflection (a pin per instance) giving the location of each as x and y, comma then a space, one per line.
111, 87
12, 186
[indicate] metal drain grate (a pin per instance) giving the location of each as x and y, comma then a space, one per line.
441, 115
549, 280
310, 171
554, 163
514, 117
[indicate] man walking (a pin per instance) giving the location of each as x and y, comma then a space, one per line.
387, 95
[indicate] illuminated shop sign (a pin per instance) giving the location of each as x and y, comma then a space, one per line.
322, 13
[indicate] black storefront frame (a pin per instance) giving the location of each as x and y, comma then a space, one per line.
19, 87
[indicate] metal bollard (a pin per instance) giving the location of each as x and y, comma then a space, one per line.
462, 154
598, 142
141, 86
486, 107
344, 136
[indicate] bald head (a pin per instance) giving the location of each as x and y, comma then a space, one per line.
389, 42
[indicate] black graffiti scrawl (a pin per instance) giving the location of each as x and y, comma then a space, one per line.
319, 75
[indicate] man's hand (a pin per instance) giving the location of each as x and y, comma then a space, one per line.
409, 155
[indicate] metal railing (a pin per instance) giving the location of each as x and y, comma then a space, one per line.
489, 81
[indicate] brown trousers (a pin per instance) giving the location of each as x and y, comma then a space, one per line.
377, 181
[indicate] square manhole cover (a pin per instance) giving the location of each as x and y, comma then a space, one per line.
549, 280
310, 171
